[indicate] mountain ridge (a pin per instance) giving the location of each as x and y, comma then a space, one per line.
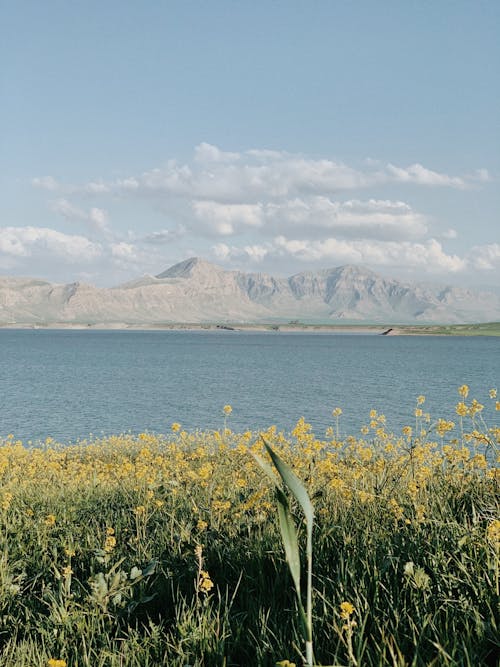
198, 291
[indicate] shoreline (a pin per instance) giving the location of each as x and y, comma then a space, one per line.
485, 329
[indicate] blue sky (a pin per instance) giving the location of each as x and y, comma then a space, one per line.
264, 136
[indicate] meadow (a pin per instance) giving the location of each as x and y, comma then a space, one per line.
148, 550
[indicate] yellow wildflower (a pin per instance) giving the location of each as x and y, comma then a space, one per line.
109, 543
50, 520
6, 500
346, 610
205, 584
176, 427
336, 412
443, 426
461, 409
227, 409
463, 391
420, 400
475, 407
53, 662
201, 525
493, 533
493, 393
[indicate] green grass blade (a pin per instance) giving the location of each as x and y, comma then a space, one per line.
266, 468
289, 537
293, 484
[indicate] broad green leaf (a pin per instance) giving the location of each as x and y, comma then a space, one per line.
293, 484
289, 536
266, 468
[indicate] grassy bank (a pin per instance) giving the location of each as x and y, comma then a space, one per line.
484, 329
164, 550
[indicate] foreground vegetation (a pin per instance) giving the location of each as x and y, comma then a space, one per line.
164, 550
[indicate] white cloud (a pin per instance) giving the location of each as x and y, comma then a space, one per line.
371, 218
123, 250
313, 216
208, 153
486, 257
428, 255
32, 241
224, 219
163, 236
261, 175
46, 183
419, 175
96, 218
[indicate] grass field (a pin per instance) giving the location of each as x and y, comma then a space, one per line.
486, 329
164, 550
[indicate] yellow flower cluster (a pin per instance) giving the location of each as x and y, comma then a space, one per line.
212, 475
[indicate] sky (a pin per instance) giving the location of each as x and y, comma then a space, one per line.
264, 136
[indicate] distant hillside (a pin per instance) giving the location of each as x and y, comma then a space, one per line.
197, 291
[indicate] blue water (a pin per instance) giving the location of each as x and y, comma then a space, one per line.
69, 384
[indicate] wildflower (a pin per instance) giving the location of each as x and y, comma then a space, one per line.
396, 509
346, 610
337, 412
227, 409
285, 663
69, 551
201, 525
67, 571
176, 427
407, 431
461, 409
418, 412
6, 500
463, 391
443, 426
475, 407
493, 393
420, 400
53, 662
109, 543
221, 505
50, 520
140, 509
493, 533
205, 584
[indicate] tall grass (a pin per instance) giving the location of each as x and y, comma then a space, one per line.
164, 550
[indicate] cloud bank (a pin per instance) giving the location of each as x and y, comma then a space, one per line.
256, 208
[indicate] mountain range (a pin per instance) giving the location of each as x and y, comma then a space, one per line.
195, 291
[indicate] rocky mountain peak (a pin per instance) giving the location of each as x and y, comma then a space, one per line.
190, 268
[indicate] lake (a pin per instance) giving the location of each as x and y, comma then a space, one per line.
68, 384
